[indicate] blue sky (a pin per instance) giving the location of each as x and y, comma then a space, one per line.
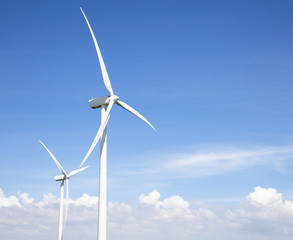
213, 77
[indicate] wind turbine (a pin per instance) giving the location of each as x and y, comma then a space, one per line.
62, 178
105, 103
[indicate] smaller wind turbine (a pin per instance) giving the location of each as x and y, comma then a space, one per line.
62, 178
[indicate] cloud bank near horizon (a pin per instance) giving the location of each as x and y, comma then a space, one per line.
262, 215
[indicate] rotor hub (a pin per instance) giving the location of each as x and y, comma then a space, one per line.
113, 98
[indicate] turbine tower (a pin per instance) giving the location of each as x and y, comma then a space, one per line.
62, 178
105, 103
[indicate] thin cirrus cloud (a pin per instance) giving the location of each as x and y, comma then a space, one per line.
209, 160
262, 215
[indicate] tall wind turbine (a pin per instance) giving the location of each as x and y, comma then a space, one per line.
62, 178
105, 103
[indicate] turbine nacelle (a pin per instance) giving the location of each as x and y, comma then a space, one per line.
60, 178
100, 101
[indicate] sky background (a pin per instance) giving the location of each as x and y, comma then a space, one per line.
213, 77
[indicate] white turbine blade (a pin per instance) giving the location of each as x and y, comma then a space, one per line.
99, 133
55, 160
67, 201
72, 173
102, 65
133, 111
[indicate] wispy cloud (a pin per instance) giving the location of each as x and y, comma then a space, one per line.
209, 160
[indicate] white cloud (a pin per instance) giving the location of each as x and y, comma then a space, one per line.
48, 199
266, 204
210, 160
221, 161
262, 215
152, 198
85, 200
8, 202
265, 197
25, 199
169, 208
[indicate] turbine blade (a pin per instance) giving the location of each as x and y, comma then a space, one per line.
67, 201
133, 111
55, 160
102, 65
99, 133
72, 173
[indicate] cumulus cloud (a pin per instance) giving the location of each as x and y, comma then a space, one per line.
265, 197
25, 199
266, 204
8, 202
48, 200
85, 200
169, 208
262, 215
152, 198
